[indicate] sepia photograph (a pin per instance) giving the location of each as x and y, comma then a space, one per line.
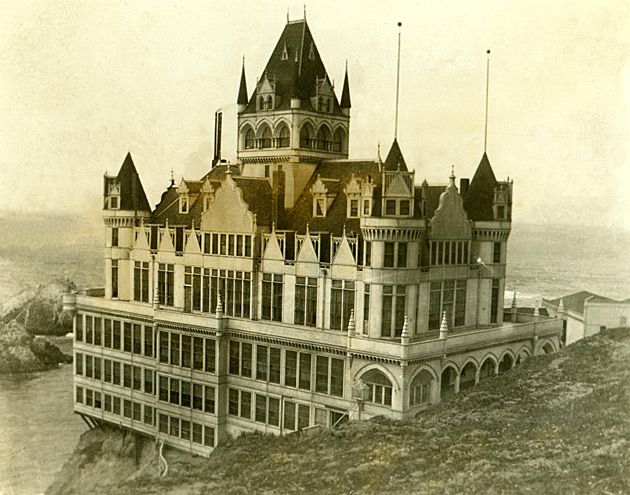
315, 247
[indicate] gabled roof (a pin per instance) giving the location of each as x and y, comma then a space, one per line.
573, 302
132, 195
295, 75
479, 198
395, 159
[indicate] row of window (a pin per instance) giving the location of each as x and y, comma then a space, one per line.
114, 372
270, 410
301, 370
185, 393
449, 252
112, 404
191, 352
134, 338
184, 429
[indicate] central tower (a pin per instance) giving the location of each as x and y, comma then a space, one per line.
293, 119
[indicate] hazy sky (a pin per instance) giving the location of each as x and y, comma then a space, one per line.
83, 82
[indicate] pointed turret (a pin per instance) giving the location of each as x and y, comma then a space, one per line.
242, 91
345, 94
479, 198
395, 159
125, 191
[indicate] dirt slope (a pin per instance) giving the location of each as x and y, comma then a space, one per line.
558, 424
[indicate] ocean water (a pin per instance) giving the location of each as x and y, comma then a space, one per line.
38, 430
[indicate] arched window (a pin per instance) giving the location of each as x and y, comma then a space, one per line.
250, 139
261, 103
283, 137
420, 390
306, 136
265, 137
379, 387
269, 103
323, 138
467, 376
338, 141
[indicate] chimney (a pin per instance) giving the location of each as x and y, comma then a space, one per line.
463, 186
218, 122
277, 196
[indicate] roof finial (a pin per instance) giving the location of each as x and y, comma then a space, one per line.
397, 84
304, 11
287, 15
172, 178
485, 134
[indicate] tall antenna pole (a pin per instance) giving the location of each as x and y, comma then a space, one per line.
397, 84
485, 133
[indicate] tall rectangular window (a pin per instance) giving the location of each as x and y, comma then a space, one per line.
198, 353
261, 362
341, 303
272, 297
127, 336
209, 401
305, 371
137, 339
401, 255
114, 279
389, 253
210, 358
290, 369
116, 341
496, 252
186, 351
321, 374
274, 365
368, 253
166, 282
447, 296
114, 236
306, 301
393, 313
366, 308
164, 347
235, 357
148, 341
141, 281
78, 329
175, 347
107, 337
494, 309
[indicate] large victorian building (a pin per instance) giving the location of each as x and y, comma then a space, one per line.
296, 287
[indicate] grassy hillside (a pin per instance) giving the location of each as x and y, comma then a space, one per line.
557, 424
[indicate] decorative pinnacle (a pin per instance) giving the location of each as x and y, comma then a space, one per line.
537, 308
351, 323
443, 326
405, 328
219, 305
514, 305
561, 305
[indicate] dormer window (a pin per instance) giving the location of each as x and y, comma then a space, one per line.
183, 203
367, 207
311, 52
285, 53
320, 207
112, 201
390, 207
354, 208
403, 207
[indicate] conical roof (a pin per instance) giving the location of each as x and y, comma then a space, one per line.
132, 195
242, 90
395, 159
345, 94
479, 198
294, 67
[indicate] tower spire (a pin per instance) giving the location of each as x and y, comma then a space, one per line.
242, 90
345, 93
397, 84
485, 133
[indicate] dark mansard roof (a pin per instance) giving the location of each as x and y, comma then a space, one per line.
295, 76
256, 193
